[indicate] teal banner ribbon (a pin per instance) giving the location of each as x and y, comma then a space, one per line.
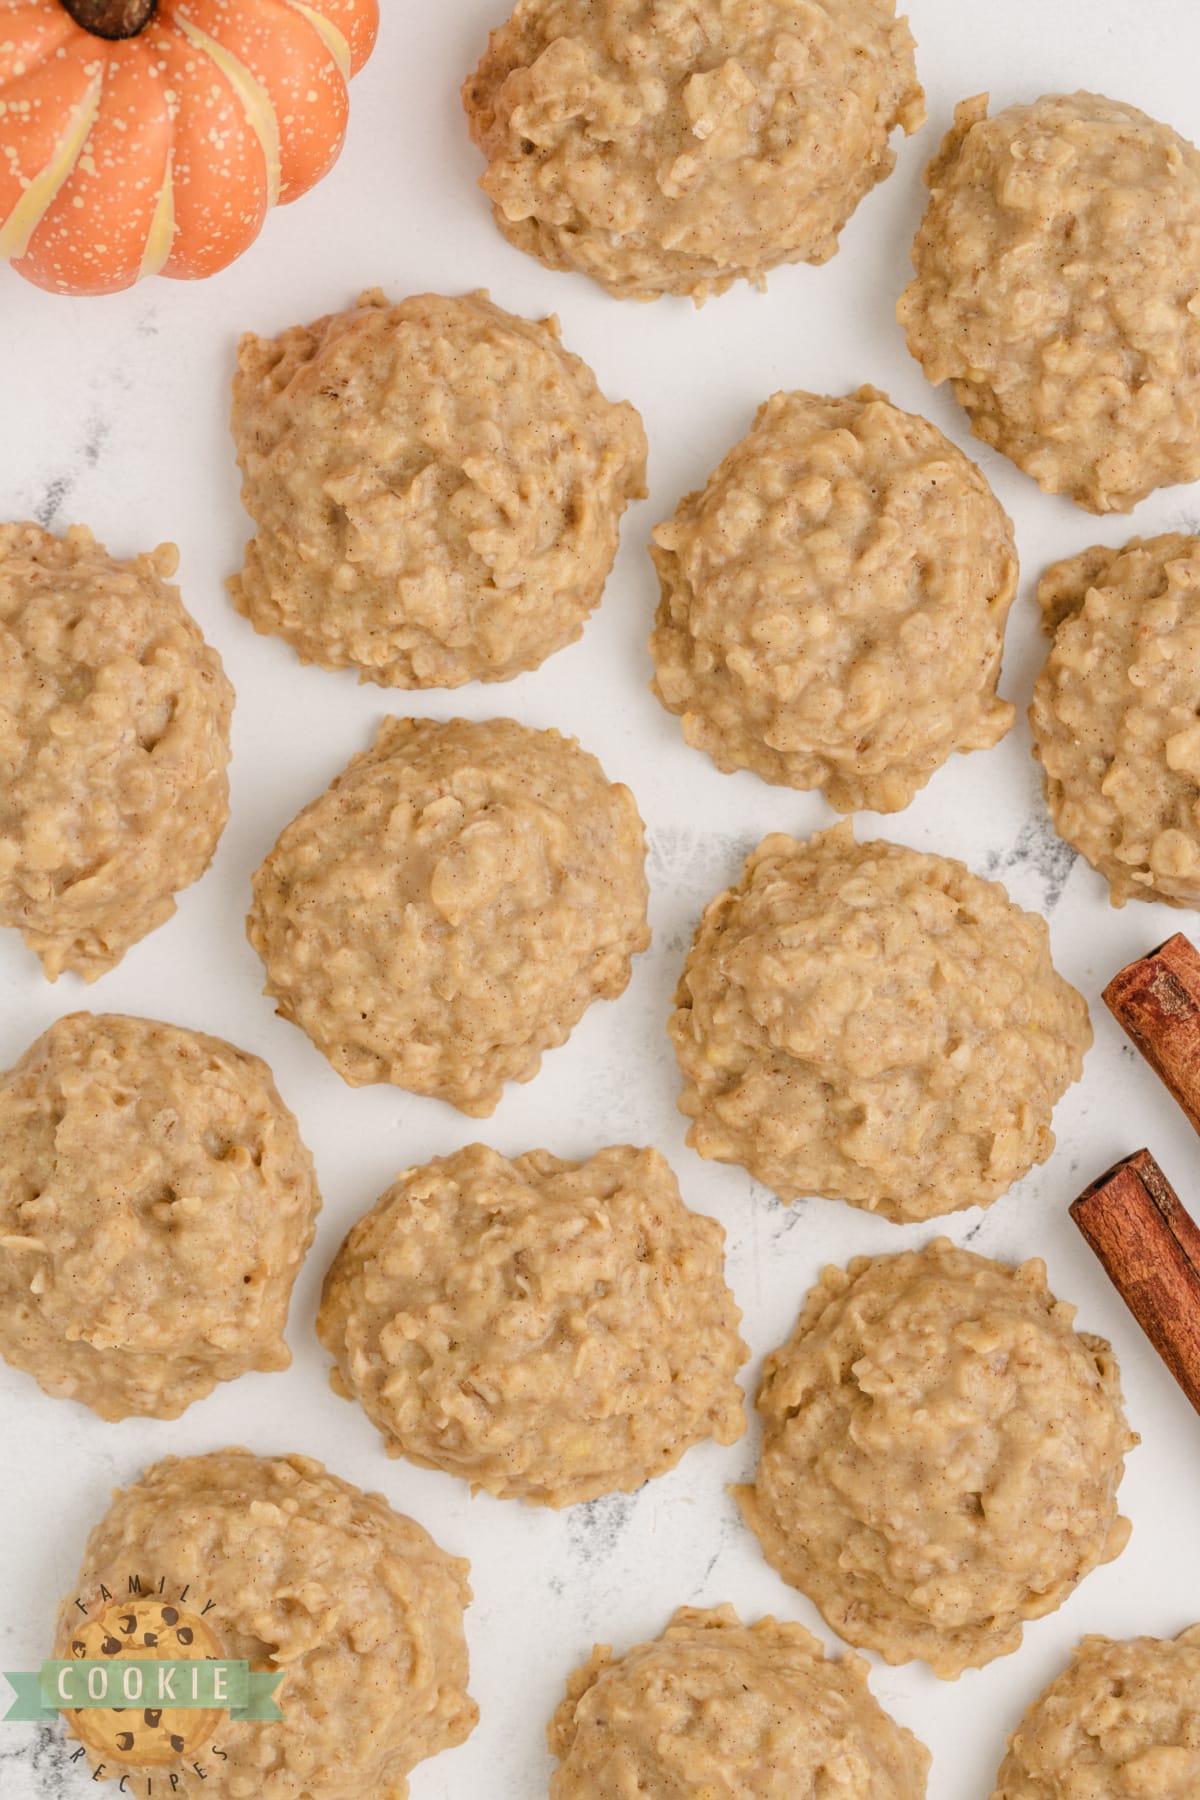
94, 1684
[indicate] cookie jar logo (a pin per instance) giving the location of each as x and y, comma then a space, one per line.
145, 1688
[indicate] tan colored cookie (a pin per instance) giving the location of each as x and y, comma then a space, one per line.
714, 1707
675, 150
437, 488
156, 1203
1114, 713
941, 1455
300, 1572
551, 1331
1122, 1722
1056, 289
114, 743
833, 602
875, 1025
452, 905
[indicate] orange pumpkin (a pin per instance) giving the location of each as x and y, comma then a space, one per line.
143, 137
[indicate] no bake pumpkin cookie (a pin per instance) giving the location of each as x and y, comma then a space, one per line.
452, 905
156, 1203
834, 600
1122, 1722
551, 1331
875, 1025
670, 149
297, 1571
1114, 713
437, 488
749, 1712
941, 1455
114, 744
1056, 289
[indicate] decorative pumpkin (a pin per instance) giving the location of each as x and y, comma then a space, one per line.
142, 137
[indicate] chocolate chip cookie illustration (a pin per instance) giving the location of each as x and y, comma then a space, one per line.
147, 1630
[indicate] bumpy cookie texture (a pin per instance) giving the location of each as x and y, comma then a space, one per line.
1122, 1722
874, 1025
300, 1572
552, 1331
715, 1707
1056, 288
670, 148
833, 602
114, 745
156, 1204
941, 1455
1114, 714
437, 488
452, 905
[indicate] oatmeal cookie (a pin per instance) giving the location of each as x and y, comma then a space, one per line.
1122, 1722
833, 602
452, 905
674, 149
689, 1715
1114, 714
1056, 288
875, 1025
114, 745
941, 1455
551, 1331
297, 1571
156, 1203
437, 488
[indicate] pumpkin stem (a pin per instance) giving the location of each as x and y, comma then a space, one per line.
112, 18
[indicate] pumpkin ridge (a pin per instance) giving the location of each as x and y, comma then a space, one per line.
255, 101
356, 23
330, 36
161, 235
17, 230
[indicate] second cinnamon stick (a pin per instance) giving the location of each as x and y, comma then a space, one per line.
1150, 1248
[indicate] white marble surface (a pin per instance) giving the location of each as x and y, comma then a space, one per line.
113, 412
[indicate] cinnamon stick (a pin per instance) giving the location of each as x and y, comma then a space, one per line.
1150, 1248
1156, 1000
